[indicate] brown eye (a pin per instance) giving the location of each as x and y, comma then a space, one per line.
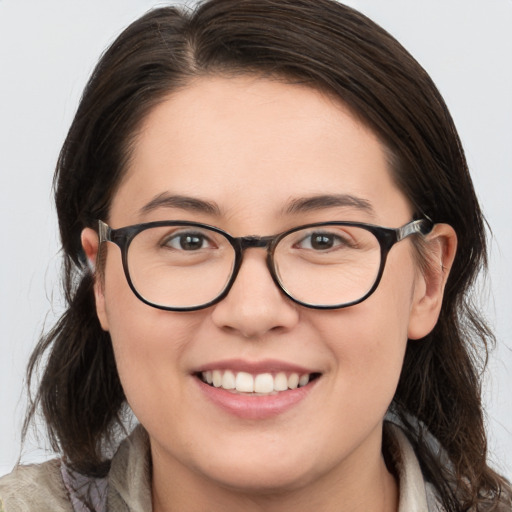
321, 241
187, 242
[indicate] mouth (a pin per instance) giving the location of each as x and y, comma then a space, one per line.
259, 384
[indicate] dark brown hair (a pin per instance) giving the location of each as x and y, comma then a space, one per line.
331, 47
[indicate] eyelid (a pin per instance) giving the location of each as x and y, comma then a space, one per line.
330, 230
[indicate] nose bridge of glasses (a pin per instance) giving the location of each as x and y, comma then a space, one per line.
254, 242
247, 242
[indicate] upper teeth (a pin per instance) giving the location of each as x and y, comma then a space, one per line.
260, 383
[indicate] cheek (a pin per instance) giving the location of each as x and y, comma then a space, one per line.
136, 328
368, 341
148, 344
368, 344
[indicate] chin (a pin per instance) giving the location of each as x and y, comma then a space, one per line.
263, 471
263, 480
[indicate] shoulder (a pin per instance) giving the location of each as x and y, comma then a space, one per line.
54, 487
418, 494
34, 487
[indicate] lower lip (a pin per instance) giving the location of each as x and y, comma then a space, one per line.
255, 407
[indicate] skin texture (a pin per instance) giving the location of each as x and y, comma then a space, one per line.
252, 146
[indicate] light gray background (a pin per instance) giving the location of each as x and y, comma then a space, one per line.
48, 49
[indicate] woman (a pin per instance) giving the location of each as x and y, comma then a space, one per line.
270, 234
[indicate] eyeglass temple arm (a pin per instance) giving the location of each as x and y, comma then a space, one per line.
103, 232
423, 226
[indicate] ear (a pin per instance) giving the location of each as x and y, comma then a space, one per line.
90, 245
440, 247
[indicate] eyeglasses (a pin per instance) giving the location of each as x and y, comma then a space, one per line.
186, 266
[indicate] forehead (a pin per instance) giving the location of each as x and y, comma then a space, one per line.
252, 144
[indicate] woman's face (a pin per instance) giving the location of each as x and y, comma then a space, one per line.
253, 148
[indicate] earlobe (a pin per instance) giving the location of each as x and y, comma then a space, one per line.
440, 247
90, 245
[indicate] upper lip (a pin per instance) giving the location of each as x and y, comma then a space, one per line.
255, 367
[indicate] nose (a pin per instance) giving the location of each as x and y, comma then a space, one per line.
255, 306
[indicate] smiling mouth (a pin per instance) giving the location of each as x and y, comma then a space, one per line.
260, 384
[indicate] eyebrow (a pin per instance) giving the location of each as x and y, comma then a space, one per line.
298, 205
194, 204
320, 202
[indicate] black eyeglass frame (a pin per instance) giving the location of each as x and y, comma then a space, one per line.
387, 238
